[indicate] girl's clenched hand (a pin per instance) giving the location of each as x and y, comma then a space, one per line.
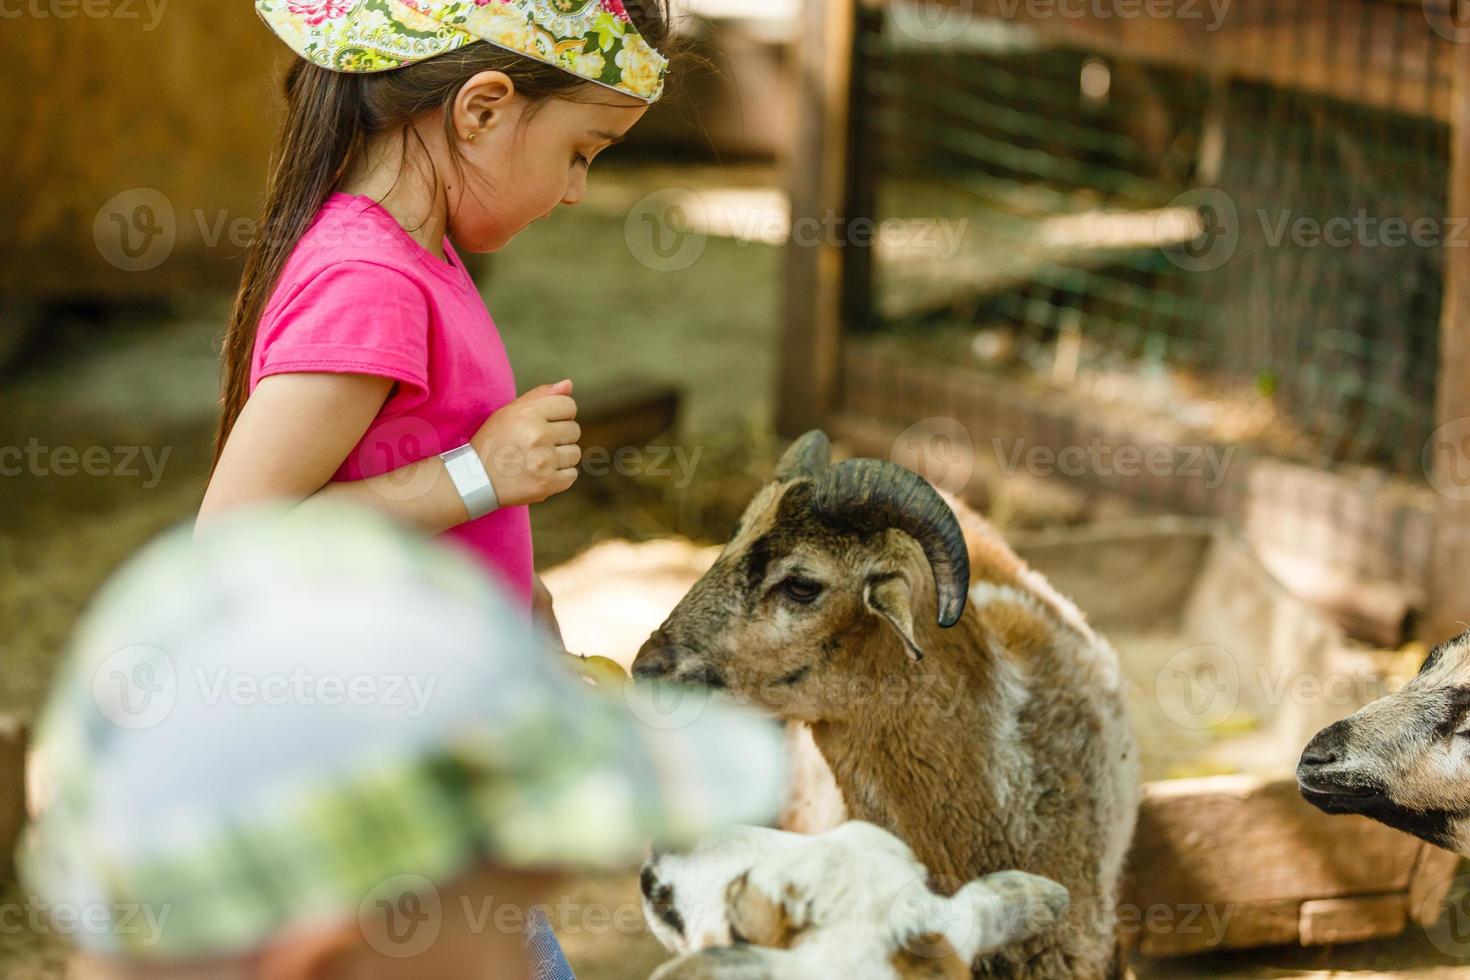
529, 447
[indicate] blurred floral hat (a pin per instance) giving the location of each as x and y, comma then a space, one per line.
282, 719
592, 39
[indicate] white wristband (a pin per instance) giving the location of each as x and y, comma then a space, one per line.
471, 480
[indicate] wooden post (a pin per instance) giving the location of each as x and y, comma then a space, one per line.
12, 789
812, 327
1449, 452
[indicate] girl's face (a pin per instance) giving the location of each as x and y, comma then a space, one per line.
523, 161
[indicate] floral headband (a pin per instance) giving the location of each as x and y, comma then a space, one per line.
592, 39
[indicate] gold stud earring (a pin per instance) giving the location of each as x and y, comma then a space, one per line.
472, 136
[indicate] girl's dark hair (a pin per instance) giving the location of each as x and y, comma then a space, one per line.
330, 117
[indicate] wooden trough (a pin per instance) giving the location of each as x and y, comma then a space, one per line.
1230, 677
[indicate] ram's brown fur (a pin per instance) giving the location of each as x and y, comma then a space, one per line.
1005, 746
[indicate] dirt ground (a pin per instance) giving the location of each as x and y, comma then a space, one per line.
145, 379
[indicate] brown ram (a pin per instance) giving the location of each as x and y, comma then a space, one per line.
960, 702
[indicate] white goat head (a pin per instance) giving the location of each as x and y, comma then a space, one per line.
1403, 760
828, 572
854, 903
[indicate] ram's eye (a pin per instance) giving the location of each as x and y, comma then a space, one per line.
801, 590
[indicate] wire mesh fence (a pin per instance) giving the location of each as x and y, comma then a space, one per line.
1233, 221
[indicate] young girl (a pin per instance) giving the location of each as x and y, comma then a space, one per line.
361, 364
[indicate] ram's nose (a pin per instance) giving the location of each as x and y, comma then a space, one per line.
1326, 748
656, 658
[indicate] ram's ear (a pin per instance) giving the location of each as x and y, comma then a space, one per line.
888, 594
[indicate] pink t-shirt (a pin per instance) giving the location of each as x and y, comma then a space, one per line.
360, 296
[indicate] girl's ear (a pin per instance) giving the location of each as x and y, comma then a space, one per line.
482, 102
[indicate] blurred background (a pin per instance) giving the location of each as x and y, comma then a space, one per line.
1178, 282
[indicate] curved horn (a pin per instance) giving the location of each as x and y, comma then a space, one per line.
808, 456
876, 493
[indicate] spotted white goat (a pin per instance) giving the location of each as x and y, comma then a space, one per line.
854, 903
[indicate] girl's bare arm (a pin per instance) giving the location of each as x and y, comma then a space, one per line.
295, 432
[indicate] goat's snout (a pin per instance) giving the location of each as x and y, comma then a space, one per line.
1320, 755
663, 659
656, 658
1326, 748
1329, 778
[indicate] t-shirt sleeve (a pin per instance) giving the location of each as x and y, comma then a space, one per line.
351, 318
